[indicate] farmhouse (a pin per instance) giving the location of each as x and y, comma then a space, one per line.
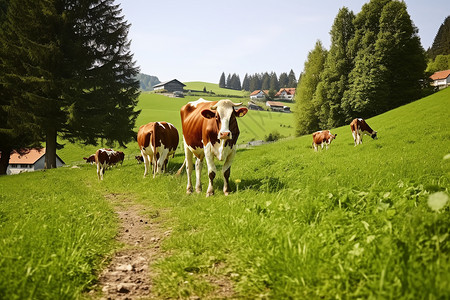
259, 94
32, 161
278, 106
253, 106
286, 94
170, 86
441, 79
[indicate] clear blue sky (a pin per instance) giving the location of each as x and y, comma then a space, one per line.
197, 40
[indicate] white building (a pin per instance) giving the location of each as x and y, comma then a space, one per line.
441, 79
32, 161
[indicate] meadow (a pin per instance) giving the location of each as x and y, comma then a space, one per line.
351, 222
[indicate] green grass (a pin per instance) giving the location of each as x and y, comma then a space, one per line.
350, 222
199, 86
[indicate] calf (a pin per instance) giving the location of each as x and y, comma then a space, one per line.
105, 158
360, 127
90, 159
139, 159
157, 142
321, 138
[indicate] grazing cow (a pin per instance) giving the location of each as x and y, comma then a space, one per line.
105, 158
210, 129
157, 142
321, 138
90, 159
139, 159
360, 127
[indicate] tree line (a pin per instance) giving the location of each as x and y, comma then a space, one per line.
439, 52
66, 73
375, 63
259, 81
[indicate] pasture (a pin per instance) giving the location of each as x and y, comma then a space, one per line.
370, 221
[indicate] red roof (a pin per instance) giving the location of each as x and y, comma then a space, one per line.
289, 91
440, 75
274, 103
255, 92
30, 158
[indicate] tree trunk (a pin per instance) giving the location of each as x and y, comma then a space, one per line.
4, 160
50, 149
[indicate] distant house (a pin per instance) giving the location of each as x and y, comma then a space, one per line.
441, 79
259, 94
278, 106
32, 161
286, 94
170, 86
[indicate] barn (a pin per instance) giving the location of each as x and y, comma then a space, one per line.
32, 161
170, 86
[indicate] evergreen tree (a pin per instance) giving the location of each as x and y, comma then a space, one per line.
265, 83
222, 83
228, 83
273, 84
246, 83
334, 79
255, 82
292, 80
306, 117
441, 43
71, 62
283, 81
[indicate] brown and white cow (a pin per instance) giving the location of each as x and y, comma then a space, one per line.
210, 129
157, 142
321, 138
105, 158
360, 127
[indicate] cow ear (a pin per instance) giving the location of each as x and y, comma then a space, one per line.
208, 114
241, 112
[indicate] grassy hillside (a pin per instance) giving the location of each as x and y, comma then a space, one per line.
256, 125
350, 222
199, 85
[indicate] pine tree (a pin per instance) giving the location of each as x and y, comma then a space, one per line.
71, 62
441, 43
255, 82
306, 117
228, 83
334, 79
273, 84
222, 83
292, 80
283, 81
246, 83
265, 83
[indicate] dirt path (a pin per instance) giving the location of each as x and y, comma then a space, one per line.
128, 275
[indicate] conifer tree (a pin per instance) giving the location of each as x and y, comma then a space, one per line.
283, 81
246, 83
273, 84
292, 80
222, 83
265, 83
306, 117
441, 43
71, 62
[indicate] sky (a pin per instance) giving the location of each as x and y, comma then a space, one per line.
197, 40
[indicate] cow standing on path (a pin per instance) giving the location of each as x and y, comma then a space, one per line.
157, 141
321, 138
360, 127
105, 158
210, 129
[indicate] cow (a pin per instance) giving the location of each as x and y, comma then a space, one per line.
139, 159
360, 127
105, 158
321, 138
90, 159
210, 129
157, 142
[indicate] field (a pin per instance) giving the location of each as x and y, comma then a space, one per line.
366, 222
199, 86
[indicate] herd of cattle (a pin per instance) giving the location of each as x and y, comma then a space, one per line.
210, 130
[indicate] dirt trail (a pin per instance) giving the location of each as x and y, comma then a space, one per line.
128, 275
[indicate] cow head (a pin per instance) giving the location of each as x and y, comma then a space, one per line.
374, 135
223, 111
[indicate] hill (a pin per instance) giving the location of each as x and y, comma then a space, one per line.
365, 222
146, 82
199, 86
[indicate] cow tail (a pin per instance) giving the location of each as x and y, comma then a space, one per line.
181, 169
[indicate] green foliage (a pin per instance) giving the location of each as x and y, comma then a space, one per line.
146, 82
441, 43
440, 63
306, 118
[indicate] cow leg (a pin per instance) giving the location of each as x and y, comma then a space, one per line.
226, 170
98, 171
211, 171
198, 175
315, 147
146, 163
189, 167
354, 137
